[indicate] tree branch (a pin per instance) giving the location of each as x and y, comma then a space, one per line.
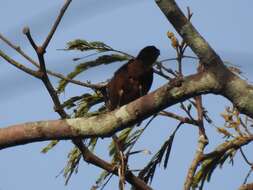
89, 157
188, 32
106, 124
224, 147
52, 73
246, 186
178, 117
40, 50
19, 65
202, 142
56, 23
234, 88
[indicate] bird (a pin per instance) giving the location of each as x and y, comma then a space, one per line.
133, 79
130, 81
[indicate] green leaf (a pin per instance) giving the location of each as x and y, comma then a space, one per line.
86, 103
208, 167
102, 177
51, 145
148, 172
122, 138
92, 143
70, 103
104, 59
168, 150
83, 45
72, 165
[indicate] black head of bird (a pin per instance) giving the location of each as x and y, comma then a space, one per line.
149, 54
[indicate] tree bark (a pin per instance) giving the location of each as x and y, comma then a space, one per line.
105, 125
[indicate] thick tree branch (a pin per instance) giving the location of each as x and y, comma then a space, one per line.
246, 186
188, 32
240, 93
106, 124
236, 90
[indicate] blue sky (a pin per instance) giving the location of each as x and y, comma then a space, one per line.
129, 26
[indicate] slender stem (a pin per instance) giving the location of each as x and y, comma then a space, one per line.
144, 128
19, 50
202, 142
245, 157
19, 65
175, 59
55, 74
56, 23
89, 157
195, 163
58, 108
178, 117
247, 177
26, 31
160, 73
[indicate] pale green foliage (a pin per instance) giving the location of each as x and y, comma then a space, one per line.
148, 172
80, 68
208, 166
72, 165
52, 144
83, 45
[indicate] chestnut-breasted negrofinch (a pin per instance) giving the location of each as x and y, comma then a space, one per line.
133, 79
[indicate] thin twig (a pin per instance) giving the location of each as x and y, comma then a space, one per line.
245, 127
200, 112
189, 13
19, 50
27, 32
122, 52
144, 128
178, 117
55, 74
202, 142
86, 56
40, 53
89, 157
160, 73
56, 23
107, 181
245, 158
186, 111
175, 59
247, 176
40, 50
122, 162
19, 65
179, 59
160, 66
